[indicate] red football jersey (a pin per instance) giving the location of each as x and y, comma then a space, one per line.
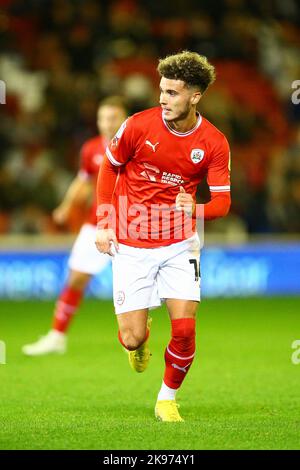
91, 156
154, 161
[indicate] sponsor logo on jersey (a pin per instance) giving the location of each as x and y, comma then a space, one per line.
197, 155
150, 172
171, 178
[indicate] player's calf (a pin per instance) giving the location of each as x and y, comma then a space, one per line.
180, 352
179, 356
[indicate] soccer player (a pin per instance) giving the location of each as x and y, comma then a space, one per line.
147, 218
85, 260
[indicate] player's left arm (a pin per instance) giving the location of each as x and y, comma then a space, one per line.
218, 179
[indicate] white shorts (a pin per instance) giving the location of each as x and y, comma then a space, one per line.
144, 277
84, 256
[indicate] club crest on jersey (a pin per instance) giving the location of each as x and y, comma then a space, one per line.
197, 155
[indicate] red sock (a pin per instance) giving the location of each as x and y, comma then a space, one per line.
180, 352
66, 305
122, 342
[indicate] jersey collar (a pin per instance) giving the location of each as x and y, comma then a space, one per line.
183, 134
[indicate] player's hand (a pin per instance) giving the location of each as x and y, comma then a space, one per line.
185, 202
61, 214
106, 241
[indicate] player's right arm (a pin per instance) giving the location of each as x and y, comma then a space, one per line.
117, 154
78, 192
106, 182
106, 241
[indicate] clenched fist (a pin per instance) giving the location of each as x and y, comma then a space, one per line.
185, 202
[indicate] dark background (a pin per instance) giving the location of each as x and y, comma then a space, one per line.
58, 58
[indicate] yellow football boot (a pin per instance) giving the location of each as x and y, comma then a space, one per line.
167, 410
139, 358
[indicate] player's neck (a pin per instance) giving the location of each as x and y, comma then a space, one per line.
186, 124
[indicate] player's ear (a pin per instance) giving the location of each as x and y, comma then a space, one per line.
196, 97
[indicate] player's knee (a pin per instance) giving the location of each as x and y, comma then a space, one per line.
132, 340
183, 328
183, 333
78, 281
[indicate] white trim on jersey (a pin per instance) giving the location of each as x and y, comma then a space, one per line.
183, 134
180, 357
111, 158
219, 188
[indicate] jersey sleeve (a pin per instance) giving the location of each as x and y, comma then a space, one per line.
121, 147
85, 170
218, 175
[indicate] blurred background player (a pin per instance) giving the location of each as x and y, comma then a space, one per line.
85, 260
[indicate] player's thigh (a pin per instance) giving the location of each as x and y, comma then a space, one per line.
84, 256
134, 280
179, 275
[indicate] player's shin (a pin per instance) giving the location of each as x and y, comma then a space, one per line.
67, 303
179, 356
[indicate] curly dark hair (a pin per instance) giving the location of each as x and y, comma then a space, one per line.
190, 67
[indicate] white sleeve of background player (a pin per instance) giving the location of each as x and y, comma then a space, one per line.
121, 147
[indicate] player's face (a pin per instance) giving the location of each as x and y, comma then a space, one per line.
177, 100
109, 119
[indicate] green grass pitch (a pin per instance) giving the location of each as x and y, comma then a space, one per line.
242, 391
